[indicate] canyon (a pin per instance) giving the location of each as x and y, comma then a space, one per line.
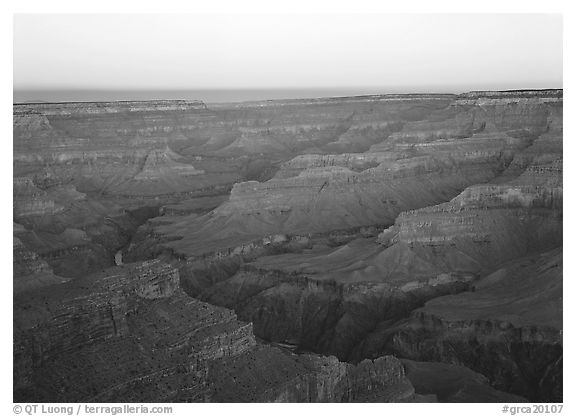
385, 248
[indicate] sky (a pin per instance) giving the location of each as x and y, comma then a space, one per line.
395, 52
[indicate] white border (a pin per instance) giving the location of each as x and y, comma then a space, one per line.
296, 6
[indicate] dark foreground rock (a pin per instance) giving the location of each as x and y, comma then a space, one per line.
130, 333
509, 329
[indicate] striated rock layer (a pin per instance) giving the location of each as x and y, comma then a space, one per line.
131, 332
319, 200
330, 300
424, 226
515, 211
476, 139
76, 140
78, 164
509, 328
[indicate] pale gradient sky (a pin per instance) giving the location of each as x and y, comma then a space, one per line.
435, 51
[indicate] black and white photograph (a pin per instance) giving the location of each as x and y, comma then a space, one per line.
286, 208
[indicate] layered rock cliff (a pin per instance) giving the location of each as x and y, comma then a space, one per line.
102, 145
509, 328
76, 164
475, 139
424, 226
309, 379
130, 332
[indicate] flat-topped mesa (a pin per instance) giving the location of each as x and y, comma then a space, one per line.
512, 110
337, 100
517, 94
517, 112
107, 107
525, 115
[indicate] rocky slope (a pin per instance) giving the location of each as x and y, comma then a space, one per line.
452, 383
28, 268
130, 332
330, 299
509, 328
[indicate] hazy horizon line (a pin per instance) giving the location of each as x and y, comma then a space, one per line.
240, 94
